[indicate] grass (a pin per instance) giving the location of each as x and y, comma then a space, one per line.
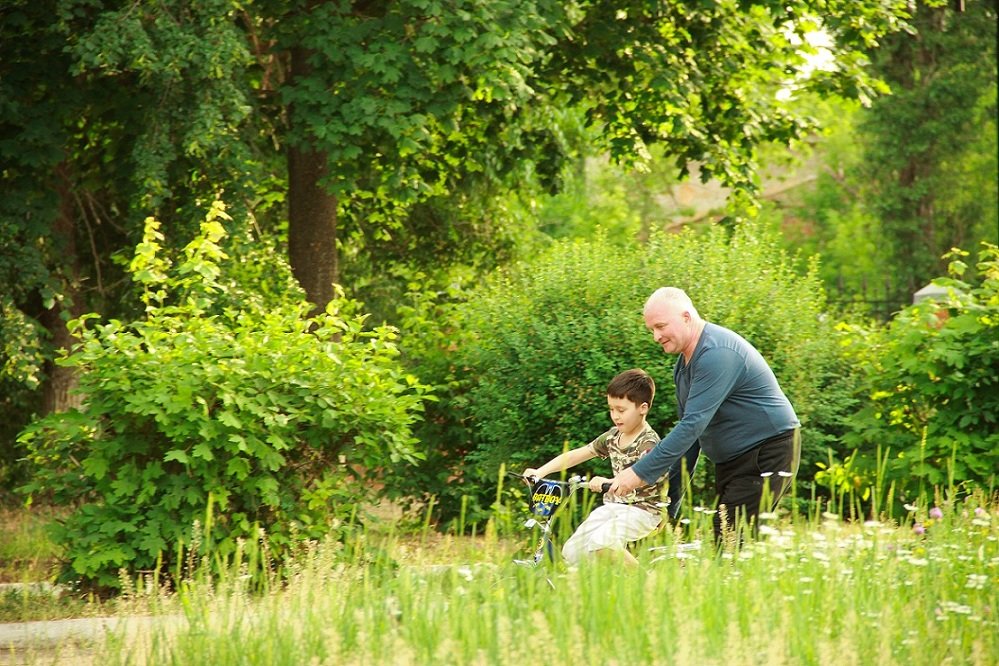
812, 590
26, 552
30, 560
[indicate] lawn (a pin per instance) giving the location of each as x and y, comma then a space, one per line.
809, 591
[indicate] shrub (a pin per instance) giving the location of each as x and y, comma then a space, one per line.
244, 418
538, 344
21, 368
930, 387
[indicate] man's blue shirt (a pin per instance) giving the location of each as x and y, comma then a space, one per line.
728, 401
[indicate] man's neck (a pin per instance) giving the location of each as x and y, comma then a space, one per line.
688, 353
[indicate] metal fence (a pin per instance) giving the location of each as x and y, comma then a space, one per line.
881, 303
881, 310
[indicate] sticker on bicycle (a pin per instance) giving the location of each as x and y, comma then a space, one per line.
546, 497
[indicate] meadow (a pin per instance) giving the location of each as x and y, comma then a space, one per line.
811, 590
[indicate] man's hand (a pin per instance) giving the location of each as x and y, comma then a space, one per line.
624, 483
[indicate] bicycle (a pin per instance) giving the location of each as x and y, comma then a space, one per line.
546, 498
549, 495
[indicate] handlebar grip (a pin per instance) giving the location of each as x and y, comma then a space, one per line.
604, 487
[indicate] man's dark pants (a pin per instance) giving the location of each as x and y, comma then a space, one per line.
742, 481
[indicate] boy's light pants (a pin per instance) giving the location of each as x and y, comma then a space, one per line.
609, 526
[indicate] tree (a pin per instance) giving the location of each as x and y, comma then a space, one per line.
390, 104
930, 160
109, 114
360, 111
406, 100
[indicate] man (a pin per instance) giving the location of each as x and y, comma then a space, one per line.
730, 406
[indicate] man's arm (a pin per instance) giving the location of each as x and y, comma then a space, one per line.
716, 374
652, 466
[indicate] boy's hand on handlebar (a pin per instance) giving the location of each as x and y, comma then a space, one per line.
624, 483
530, 473
596, 483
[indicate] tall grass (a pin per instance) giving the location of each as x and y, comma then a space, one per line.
812, 590
26, 552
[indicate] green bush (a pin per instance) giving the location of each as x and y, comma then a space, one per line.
21, 369
930, 388
536, 346
240, 418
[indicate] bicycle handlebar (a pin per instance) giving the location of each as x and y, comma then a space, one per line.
573, 482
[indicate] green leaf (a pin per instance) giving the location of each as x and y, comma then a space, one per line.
203, 450
178, 455
238, 467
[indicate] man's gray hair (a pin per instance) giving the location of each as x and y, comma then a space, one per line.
672, 295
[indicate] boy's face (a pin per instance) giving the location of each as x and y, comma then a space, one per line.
626, 415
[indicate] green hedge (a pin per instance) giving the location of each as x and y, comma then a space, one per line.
532, 350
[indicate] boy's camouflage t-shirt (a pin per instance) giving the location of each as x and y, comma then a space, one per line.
652, 498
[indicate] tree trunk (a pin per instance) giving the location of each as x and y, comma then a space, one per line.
311, 213
57, 390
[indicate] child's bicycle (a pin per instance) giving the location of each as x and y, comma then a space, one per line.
547, 497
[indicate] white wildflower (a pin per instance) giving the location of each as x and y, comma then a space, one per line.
976, 581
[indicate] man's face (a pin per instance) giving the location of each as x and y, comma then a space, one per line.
669, 324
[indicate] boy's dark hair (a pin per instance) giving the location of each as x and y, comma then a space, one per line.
635, 385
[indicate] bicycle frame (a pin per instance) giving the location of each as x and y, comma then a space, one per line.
547, 497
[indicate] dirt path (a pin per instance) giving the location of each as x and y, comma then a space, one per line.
53, 641
66, 642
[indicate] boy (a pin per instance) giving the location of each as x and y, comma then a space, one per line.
610, 527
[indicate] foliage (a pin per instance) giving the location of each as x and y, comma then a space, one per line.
701, 79
906, 176
827, 216
21, 361
537, 345
216, 411
597, 193
407, 99
110, 111
930, 168
929, 394
449, 243
115, 110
